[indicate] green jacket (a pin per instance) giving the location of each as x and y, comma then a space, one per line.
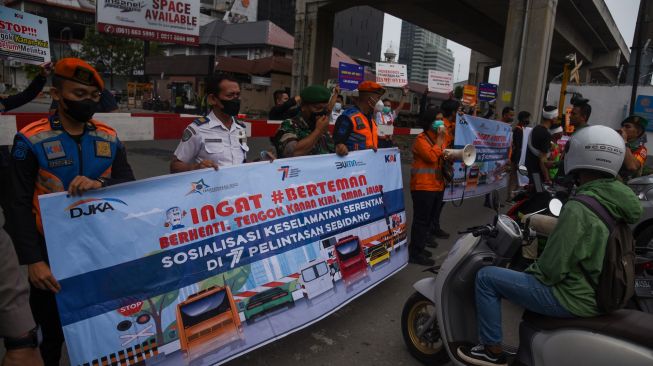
579, 239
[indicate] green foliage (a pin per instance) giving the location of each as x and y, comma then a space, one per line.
458, 93
160, 302
113, 54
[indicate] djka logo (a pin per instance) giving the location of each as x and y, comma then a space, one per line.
92, 206
391, 158
348, 164
288, 172
125, 5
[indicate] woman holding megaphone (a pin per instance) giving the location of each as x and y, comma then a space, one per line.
427, 184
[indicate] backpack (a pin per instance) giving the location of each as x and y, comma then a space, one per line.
617, 279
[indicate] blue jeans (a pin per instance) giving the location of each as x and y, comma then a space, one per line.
494, 283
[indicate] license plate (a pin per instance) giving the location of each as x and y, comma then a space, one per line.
644, 287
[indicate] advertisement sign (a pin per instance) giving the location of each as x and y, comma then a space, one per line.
168, 21
242, 11
205, 266
24, 37
469, 95
492, 140
487, 92
644, 108
440, 82
391, 74
350, 75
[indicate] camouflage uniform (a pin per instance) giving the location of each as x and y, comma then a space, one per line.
296, 129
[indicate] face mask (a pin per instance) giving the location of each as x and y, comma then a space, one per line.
386, 110
80, 111
316, 115
438, 125
337, 107
231, 107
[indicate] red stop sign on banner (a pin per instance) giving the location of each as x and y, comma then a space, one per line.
132, 309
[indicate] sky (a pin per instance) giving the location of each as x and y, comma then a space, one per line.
624, 13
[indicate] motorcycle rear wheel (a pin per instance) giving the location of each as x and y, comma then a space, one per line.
429, 348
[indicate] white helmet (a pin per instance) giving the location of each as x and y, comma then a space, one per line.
597, 148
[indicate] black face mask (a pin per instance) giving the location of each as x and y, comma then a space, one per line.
231, 107
81, 111
315, 116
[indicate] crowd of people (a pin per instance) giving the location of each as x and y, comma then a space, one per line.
72, 152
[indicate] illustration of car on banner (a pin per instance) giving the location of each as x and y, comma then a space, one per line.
315, 278
472, 177
376, 252
208, 320
267, 301
351, 259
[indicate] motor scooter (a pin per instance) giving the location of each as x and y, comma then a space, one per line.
441, 315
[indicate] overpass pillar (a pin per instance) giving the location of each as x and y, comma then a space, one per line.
479, 68
526, 52
313, 41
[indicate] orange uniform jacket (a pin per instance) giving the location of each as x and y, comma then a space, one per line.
426, 173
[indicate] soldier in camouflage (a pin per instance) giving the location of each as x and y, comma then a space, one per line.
308, 132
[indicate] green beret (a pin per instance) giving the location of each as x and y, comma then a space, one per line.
636, 120
315, 94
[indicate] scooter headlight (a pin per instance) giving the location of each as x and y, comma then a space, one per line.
643, 191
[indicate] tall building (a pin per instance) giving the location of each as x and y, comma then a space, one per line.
422, 51
357, 31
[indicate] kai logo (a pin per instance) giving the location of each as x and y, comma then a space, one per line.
92, 206
288, 172
348, 164
392, 158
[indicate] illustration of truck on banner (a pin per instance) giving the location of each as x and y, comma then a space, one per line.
208, 318
351, 259
315, 278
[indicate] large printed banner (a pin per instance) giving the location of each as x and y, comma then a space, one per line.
207, 265
169, 21
24, 37
492, 140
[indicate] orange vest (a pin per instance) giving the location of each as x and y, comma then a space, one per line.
61, 159
363, 134
426, 170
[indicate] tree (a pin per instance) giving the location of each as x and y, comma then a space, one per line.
154, 308
114, 55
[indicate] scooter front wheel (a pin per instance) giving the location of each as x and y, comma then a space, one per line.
428, 348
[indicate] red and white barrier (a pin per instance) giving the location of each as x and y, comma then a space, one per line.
149, 126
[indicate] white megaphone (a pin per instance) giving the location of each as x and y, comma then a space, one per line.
466, 154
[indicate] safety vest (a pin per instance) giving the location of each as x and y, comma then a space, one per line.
451, 132
61, 159
426, 174
363, 134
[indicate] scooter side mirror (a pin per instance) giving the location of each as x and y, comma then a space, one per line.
523, 170
555, 206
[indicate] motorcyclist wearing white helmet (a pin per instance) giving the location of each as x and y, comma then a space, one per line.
555, 285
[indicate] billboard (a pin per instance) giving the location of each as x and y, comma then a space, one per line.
24, 37
166, 21
242, 11
205, 266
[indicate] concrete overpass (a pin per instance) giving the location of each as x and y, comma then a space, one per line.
529, 39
